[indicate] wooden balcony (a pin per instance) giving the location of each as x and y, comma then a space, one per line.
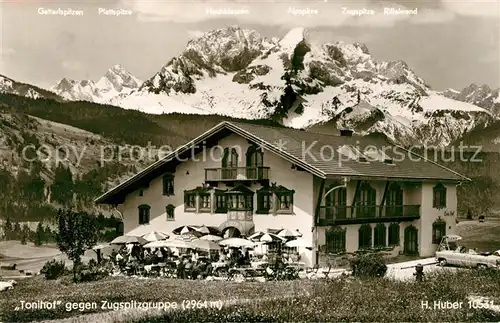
367, 214
232, 175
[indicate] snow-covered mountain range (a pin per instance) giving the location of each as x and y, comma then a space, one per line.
480, 95
117, 80
239, 73
8, 85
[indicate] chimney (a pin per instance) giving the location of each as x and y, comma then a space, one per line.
346, 133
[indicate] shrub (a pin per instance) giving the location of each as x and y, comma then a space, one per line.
368, 265
92, 272
53, 269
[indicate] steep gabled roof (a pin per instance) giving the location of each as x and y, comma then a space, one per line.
316, 153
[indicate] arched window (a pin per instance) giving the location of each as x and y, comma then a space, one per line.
335, 240
393, 234
380, 232
144, 213
366, 202
438, 231
255, 162
365, 237
170, 212
439, 196
394, 201
229, 163
335, 202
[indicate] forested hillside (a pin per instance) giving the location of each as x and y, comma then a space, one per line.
30, 190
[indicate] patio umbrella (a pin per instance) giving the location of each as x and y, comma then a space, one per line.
211, 237
129, 239
300, 243
286, 233
102, 246
237, 243
155, 236
188, 237
203, 229
191, 229
184, 229
204, 245
265, 237
177, 243
156, 244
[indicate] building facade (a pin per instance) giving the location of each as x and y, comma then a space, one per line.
247, 178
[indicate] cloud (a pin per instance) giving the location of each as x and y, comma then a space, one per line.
6, 51
72, 65
483, 8
290, 14
195, 33
432, 16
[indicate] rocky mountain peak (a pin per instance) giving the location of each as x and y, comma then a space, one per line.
293, 38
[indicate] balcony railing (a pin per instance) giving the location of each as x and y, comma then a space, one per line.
237, 174
367, 213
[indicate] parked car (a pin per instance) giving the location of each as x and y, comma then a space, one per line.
450, 252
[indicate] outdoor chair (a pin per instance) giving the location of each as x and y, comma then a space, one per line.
312, 272
327, 272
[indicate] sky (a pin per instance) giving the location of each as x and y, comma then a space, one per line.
450, 44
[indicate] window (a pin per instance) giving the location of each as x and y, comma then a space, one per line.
439, 197
393, 234
119, 228
141, 192
335, 240
366, 202
240, 199
284, 200
229, 164
438, 231
254, 163
394, 201
220, 201
205, 200
365, 237
264, 200
190, 200
335, 202
380, 235
168, 184
170, 212
144, 211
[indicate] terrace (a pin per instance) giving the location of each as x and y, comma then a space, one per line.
330, 215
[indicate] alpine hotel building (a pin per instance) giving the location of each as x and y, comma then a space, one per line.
342, 192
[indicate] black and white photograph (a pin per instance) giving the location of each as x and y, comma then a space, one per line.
249, 161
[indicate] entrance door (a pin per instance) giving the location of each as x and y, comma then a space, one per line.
231, 232
411, 240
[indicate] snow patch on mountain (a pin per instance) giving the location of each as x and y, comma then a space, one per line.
239, 73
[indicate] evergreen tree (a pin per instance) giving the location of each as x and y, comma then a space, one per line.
62, 188
8, 229
25, 233
39, 234
17, 231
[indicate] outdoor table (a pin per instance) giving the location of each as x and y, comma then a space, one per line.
259, 264
246, 272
